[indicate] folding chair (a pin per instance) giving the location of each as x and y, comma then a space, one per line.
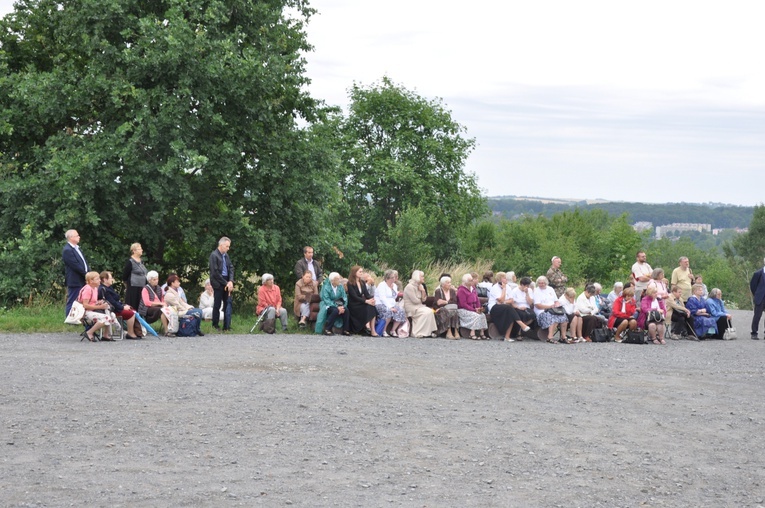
260, 318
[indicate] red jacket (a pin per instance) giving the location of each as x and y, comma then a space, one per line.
616, 310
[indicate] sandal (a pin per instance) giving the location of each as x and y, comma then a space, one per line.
472, 337
656, 341
552, 341
662, 341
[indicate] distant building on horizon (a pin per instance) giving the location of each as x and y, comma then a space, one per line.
642, 226
680, 227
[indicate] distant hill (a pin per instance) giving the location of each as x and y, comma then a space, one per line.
716, 214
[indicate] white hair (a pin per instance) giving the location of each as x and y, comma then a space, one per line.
444, 280
69, 233
416, 275
333, 276
207, 281
542, 278
152, 275
266, 277
466, 278
510, 276
597, 286
224, 239
618, 284
554, 258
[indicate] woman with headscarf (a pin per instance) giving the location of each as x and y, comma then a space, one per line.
423, 319
447, 318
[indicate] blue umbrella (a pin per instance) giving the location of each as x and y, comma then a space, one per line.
146, 325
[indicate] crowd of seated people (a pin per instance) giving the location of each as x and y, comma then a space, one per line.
361, 304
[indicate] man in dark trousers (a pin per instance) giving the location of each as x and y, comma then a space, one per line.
222, 281
757, 286
75, 268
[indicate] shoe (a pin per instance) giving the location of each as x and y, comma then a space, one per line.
284, 329
107, 339
328, 332
169, 335
449, 334
85, 336
200, 333
216, 327
692, 337
132, 337
346, 333
509, 340
526, 329
755, 337
301, 324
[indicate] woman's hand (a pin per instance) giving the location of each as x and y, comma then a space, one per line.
441, 303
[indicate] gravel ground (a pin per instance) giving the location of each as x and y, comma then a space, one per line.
238, 420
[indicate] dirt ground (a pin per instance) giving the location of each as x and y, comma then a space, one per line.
254, 420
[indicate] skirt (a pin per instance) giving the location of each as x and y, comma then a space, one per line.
472, 320
446, 319
384, 313
503, 316
546, 320
423, 322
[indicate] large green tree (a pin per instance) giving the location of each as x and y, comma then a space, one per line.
400, 151
168, 122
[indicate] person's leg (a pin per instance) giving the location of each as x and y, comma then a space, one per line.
217, 301
226, 301
283, 318
346, 322
332, 313
652, 332
661, 329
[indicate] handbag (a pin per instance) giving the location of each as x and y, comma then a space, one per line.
558, 311
655, 317
635, 337
76, 313
602, 335
730, 332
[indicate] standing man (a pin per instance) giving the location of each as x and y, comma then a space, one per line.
308, 264
75, 267
556, 278
682, 277
757, 286
641, 275
222, 281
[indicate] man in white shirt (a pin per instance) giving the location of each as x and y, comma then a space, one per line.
641, 275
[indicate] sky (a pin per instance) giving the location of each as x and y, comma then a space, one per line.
650, 101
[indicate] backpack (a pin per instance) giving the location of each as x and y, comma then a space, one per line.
187, 326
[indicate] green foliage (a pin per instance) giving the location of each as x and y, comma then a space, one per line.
168, 123
399, 151
411, 230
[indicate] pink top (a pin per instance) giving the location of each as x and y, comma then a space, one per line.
145, 296
269, 297
467, 299
88, 294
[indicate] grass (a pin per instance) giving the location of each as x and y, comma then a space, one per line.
49, 318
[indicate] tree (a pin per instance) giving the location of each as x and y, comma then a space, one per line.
166, 122
399, 151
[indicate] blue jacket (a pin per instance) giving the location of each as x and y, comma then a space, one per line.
716, 308
74, 268
757, 286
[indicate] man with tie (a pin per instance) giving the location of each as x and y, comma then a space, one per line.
222, 281
75, 267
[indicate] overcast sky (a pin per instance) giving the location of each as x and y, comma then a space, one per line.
656, 101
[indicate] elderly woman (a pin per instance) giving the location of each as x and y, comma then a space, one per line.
334, 306
556, 279
96, 310
134, 276
704, 324
523, 303
501, 309
174, 301
617, 292
385, 303
305, 288
206, 301
423, 319
361, 304
652, 315
568, 302
623, 313
588, 310
270, 297
545, 300
123, 310
716, 309
659, 282
152, 303
469, 308
447, 318
679, 316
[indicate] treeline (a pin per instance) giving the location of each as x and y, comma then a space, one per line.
719, 216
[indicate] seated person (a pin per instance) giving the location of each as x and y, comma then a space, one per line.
679, 316
447, 319
502, 312
704, 324
174, 301
716, 309
308, 264
568, 302
123, 310
469, 308
270, 297
604, 306
206, 301
587, 307
386, 295
523, 302
305, 288
423, 319
334, 306
96, 311
617, 292
544, 300
152, 303
700, 280
179, 289
361, 305
623, 313
652, 312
